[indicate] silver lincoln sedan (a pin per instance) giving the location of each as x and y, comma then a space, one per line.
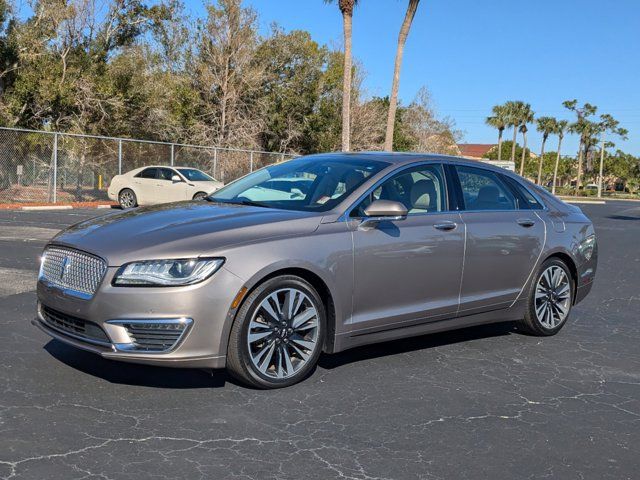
318, 254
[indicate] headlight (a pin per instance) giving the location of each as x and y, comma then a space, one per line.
166, 273
587, 246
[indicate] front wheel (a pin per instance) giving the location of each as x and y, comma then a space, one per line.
200, 196
278, 334
127, 198
550, 299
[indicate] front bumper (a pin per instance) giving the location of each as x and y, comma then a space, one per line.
206, 305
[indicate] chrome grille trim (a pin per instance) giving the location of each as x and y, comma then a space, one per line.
73, 271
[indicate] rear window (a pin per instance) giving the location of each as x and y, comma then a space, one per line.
527, 200
147, 173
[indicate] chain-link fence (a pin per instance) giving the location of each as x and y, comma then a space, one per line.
49, 167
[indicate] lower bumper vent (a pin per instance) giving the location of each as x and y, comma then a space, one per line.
74, 326
153, 335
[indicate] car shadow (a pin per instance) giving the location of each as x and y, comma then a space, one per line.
136, 374
622, 217
423, 342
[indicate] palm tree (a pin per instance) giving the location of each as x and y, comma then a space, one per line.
546, 126
607, 124
393, 99
559, 130
499, 120
582, 127
513, 111
346, 8
526, 116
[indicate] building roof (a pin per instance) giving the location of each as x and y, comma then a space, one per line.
475, 150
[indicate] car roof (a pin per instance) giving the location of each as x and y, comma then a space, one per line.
408, 157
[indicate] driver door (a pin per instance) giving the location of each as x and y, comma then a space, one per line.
167, 190
408, 271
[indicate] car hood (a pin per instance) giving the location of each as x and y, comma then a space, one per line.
181, 230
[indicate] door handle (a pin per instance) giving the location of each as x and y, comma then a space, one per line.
445, 226
525, 222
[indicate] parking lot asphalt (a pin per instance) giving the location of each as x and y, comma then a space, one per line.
483, 402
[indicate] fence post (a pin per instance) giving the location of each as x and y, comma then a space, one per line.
172, 153
251, 161
119, 157
215, 162
55, 167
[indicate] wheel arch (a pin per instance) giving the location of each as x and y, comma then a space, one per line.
573, 269
317, 282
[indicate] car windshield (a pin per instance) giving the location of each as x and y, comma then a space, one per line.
194, 175
313, 184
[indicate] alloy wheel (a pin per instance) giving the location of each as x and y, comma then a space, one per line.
127, 199
283, 333
553, 297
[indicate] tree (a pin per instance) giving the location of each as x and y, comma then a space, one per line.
228, 76
607, 124
525, 116
499, 120
346, 8
560, 129
293, 69
393, 99
546, 126
514, 112
583, 127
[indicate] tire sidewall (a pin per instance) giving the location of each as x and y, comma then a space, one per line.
241, 327
532, 291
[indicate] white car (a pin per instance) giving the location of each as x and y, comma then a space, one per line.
159, 184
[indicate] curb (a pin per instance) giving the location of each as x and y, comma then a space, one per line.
44, 207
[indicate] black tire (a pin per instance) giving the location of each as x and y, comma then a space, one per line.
531, 323
127, 198
239, 362
200, 196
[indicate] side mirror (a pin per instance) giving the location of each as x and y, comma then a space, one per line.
176, 179
383, 210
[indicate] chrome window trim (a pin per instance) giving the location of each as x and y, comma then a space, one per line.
346, 216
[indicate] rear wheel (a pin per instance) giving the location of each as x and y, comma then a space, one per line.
127, 198
278, 334
550, 299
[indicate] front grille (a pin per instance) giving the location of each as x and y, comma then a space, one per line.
72, 270
74, 326
156, 336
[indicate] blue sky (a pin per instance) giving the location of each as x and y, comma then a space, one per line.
473, 54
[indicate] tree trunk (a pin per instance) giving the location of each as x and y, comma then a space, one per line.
499, 145
601, 165
393, 99
579, 177
524, 152
544, 140
513, 147
346, 84
555, 169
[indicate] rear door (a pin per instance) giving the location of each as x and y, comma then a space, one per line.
504, 239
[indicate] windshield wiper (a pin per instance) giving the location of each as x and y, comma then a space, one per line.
249, 203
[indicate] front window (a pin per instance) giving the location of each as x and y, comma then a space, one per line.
313, 184
420, 189
194, 175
